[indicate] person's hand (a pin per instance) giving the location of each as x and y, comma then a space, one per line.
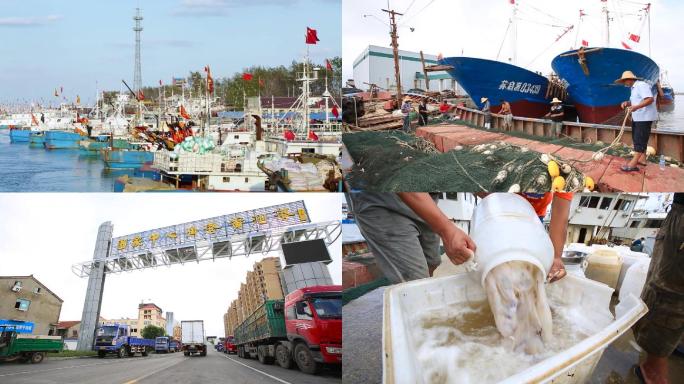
458, 246
557, 271
624, 104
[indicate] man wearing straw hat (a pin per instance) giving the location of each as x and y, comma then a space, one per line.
643, 108
487, 113
406, 112
556, 115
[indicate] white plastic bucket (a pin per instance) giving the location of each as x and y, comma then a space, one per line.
633, 284
604, 265
505, 228
574, 365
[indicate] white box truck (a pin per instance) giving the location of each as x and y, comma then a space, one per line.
192, 337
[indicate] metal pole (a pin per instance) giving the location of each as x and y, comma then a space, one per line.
395, 49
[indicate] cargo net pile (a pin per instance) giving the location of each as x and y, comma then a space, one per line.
395, 161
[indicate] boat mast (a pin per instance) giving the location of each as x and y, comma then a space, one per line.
514, 34
648, 14
305, 89
607, 27
395, 49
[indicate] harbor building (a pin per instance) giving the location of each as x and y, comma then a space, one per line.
25, 299
375, 65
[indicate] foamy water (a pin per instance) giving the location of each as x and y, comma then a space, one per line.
460, 344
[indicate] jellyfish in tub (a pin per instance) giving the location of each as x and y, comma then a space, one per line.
516, 295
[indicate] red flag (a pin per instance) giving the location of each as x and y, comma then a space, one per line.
141, 95
585, 43
210, 80
311, 36
247, 76
289, 135
328, 66
183, 112
582, 13
626, 46
313, 136
513, 2
634, 38
335, 112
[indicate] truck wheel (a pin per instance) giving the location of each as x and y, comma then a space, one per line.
37, 357
261, 355
144, 352
121, 352
101, 354
304, 359
283, 356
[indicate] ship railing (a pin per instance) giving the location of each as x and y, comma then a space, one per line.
191, 163
668, 143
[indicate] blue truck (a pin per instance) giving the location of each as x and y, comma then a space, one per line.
165, 344
116, 339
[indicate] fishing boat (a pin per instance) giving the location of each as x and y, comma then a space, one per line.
526, 91
590, 73
37, 139
529, 93
59, 139
117, 158
666, 94
20, 134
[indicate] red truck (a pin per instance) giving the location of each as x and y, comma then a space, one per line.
229, 345
305, 329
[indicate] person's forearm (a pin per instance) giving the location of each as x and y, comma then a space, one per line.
647, 101
560, 211
422, 204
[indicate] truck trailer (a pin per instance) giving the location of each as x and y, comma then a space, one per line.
305, 328
192, 337
116, 339
26, 347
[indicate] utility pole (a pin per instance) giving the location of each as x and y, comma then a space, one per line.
395, 49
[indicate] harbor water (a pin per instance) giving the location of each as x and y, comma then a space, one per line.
34, 169
673, 120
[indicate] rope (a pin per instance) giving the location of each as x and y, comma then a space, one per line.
467, 174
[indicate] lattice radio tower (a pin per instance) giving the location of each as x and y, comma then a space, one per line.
137, 75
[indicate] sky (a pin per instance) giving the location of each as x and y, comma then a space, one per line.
76, 43
476, 28
45, 234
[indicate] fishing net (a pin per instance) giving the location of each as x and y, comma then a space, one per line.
395, 162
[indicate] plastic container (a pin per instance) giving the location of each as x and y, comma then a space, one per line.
633, 284
506, 228
604, 265
629, 258
590, 301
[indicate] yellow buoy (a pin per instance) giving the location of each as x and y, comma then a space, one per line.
558, 184
589, 183
553, 169
650, 151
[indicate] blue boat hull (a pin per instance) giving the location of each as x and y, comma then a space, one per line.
116, 159
596, 95
20, 135
523, 89
62, 140
37, 139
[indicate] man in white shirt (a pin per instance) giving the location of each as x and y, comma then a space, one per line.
644, 113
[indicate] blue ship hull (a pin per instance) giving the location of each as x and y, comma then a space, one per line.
37, 139
523, 89
62, 140
595, 95
117, 159
20, 135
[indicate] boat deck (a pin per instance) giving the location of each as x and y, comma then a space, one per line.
605, 173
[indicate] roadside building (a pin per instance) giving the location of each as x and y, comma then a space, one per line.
24, 298
148, 314
177, 332
69, 330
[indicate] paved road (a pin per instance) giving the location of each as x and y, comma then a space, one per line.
162, 369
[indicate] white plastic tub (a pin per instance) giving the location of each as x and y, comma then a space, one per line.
574, 365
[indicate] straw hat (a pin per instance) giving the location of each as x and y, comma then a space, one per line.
482, 100
555, 100
626, 75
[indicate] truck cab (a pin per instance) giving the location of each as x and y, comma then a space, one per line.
229, 345
161, 344
313, 320
115, 338
26, 347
